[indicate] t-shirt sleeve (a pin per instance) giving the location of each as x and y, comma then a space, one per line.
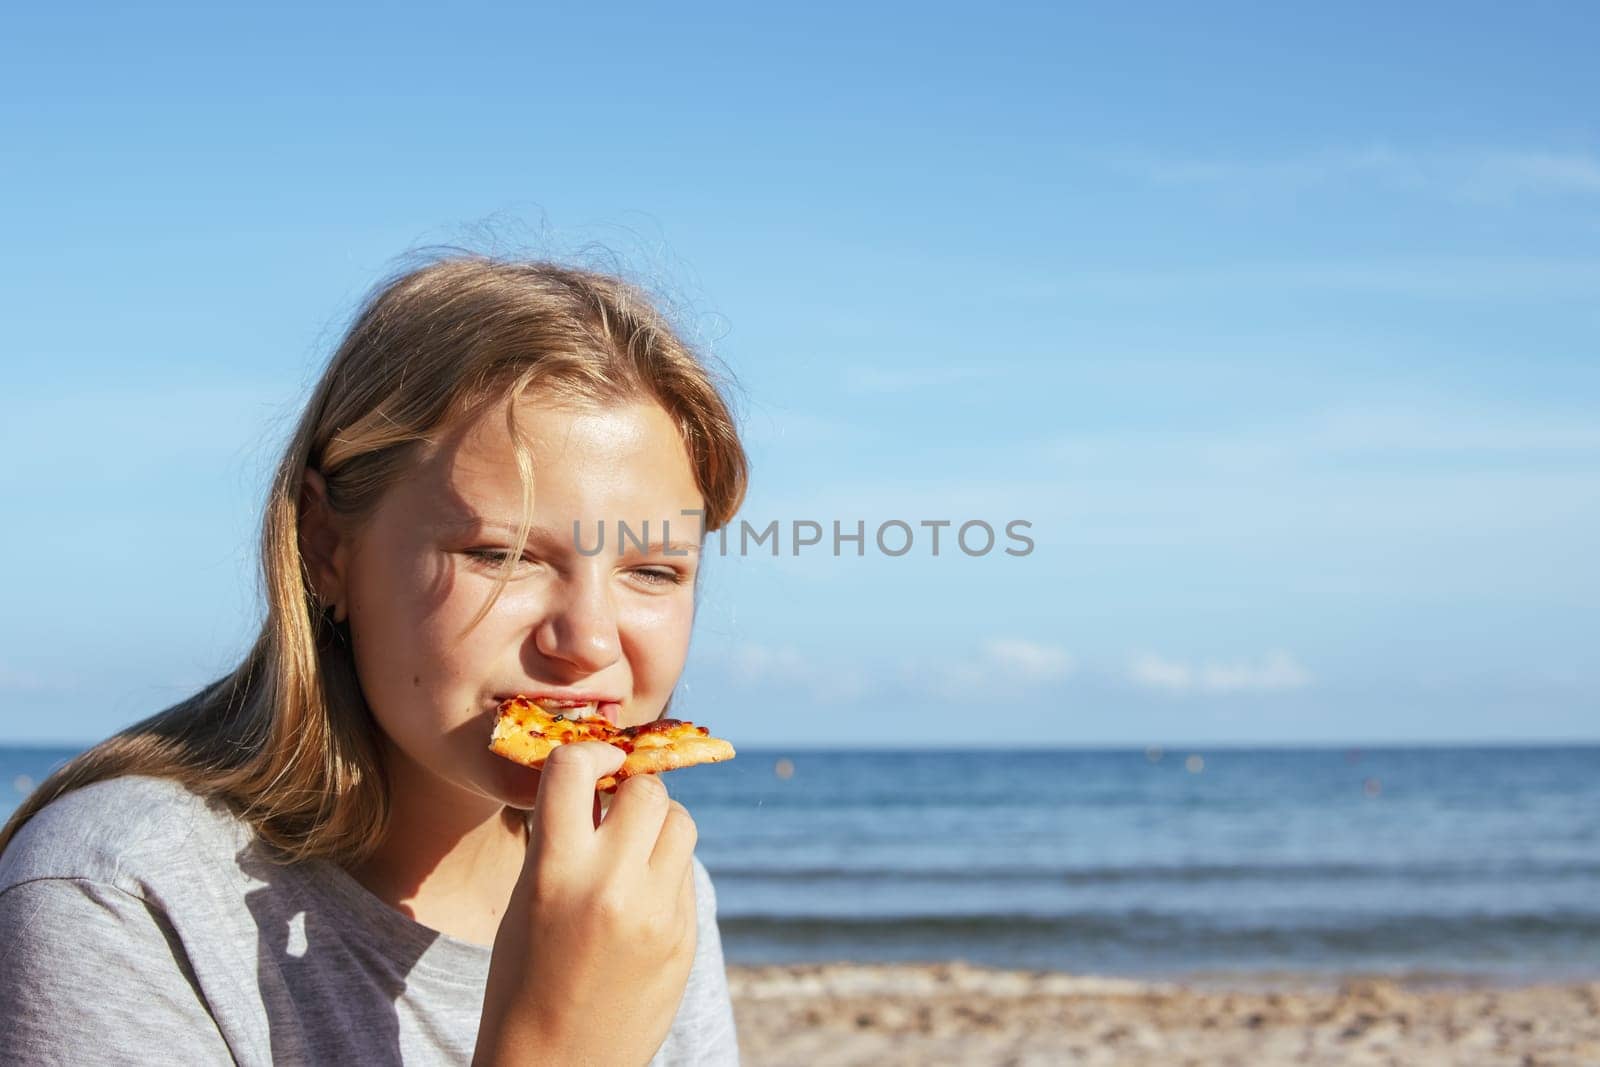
90, 973
703, 1032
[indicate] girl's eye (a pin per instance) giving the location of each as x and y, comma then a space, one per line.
494, 557
664, 576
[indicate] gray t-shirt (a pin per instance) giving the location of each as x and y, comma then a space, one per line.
139, 923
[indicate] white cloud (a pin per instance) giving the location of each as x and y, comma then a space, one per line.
756, 664
1474, 173
1392, 431
768, 425
1153, 672
1542, 171
999, 665
1497, 278
899, 379
1301, 169
23, 682
1030, 660
1277, 672
1398, 428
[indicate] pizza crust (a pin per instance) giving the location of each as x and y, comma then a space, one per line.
687, 752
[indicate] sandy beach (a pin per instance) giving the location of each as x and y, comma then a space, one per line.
962, 1014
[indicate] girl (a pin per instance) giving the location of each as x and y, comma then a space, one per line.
317, 859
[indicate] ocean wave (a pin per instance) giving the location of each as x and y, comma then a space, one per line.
1397, 933
1170, 874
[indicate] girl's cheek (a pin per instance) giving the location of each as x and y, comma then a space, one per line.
662, 635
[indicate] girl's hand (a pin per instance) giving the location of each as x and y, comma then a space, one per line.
594, 951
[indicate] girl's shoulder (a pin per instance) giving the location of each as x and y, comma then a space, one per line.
120, 831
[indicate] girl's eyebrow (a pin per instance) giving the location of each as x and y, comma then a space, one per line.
474, 524
665, 548
653, 546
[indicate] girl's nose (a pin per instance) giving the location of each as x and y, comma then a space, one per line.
580, 627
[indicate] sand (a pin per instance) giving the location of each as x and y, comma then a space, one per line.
960, 1014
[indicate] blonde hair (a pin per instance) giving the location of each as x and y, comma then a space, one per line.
286, 738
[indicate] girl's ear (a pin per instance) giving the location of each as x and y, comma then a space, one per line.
322, 545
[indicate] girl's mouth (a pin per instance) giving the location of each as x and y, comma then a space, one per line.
578, 707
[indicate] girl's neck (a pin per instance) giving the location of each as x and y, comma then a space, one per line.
447, 863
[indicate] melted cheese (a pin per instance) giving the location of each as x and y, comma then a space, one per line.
660, 733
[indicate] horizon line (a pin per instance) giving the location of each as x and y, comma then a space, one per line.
1142, 747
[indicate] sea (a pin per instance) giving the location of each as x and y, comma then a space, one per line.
1450, 864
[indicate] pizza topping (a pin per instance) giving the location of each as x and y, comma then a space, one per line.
526, 731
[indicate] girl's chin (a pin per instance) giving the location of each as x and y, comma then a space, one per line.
514, 785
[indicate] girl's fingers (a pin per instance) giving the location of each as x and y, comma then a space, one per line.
686, 902
563, 809
674, 844
634, 821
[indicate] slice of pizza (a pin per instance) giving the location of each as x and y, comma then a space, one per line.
526, 733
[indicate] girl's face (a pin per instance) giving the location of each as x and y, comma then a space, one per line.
604, 626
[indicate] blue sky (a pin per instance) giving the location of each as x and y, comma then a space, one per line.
1279, 327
